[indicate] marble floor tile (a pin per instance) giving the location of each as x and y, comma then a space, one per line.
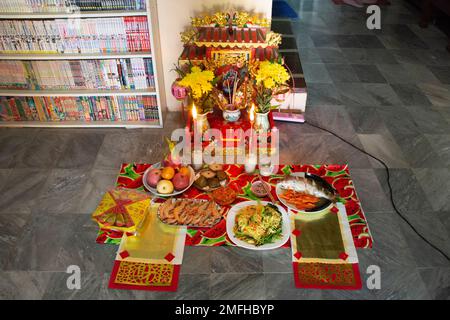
418, 151
368, 73
354, 94
327, 149
316, 72
348, 41
323, 94
442, 73
410, 94
43, 152
437, 281
304, 42
91, 286
98, 182
39, 245
390, 248
324, 40
80, 249
235, 260
331, 55
341, 73
407, 191
369, 41
405, 56
383, 94
400, 284
196, 260
395, 73
80, 151
366, 120
436, 184
369, 56
434, 123
118, 148
439, 95
23, 285
370, 193
428, 223
424, 254
309, 55
384, 148
441, 145
399, 120
4, 174
62, 192
14, 143
12, 227
437, 57
420, 73
22, 190
277, 261
234, 286
281, 286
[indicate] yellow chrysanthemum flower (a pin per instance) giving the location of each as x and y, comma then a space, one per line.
271, 74
198, 81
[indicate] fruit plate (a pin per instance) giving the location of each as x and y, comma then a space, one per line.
231, 221
168, 216
316, 181
222, 183
176, 192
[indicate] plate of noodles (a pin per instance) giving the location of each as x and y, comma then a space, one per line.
258, 225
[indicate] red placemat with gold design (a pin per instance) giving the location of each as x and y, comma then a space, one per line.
323, 251
338, 176
151, 259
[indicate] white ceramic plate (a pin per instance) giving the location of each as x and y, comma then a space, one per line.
268, 246
153, 190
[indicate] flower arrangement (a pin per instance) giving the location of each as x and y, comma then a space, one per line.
200, 83
270, 79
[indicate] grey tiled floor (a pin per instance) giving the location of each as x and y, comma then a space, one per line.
386, 91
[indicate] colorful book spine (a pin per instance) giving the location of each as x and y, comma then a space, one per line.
109, 74
67, 6
115, 108
91, 35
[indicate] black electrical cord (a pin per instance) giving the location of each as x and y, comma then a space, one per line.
389, 186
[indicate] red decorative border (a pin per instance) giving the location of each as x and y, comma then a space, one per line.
357, 286
173, 286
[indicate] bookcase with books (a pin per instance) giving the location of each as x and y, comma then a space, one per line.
79, 63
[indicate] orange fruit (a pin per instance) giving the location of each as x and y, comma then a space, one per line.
185, 171
168, 173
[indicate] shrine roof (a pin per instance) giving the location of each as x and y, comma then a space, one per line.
237, 37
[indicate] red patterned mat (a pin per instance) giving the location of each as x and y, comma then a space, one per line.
337, 175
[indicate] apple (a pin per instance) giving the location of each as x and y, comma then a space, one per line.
164, 187
180, 181
153, 177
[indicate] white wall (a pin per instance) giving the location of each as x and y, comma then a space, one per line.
174, 16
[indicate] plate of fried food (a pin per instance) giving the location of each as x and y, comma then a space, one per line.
210, 178
305, 192
258, 225
190, 212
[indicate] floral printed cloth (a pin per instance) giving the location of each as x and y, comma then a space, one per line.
337, 175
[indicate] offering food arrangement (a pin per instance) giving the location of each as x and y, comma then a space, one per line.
230, 76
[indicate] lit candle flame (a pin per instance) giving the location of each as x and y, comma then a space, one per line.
194, 112
252, 113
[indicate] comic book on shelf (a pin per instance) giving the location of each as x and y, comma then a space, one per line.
110, 74
110, 108
92, 35
67, 6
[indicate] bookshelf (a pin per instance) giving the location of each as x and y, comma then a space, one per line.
141, 114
